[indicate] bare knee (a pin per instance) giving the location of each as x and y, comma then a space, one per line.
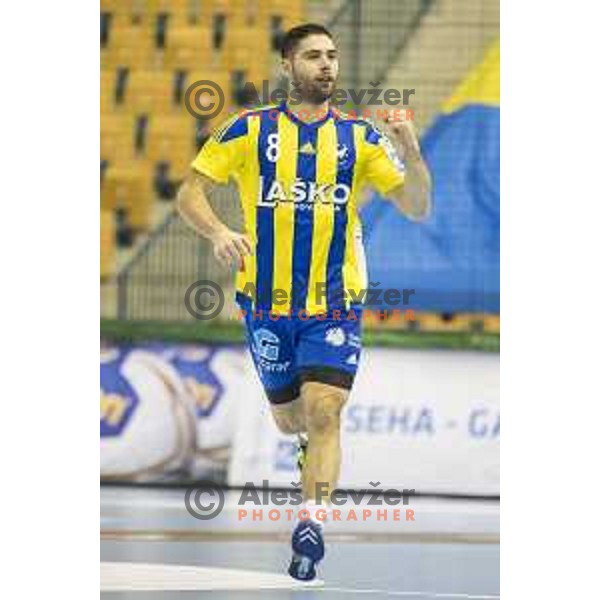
323, 407
287, 417
285, 423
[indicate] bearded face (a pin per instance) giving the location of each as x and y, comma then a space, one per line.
313, 68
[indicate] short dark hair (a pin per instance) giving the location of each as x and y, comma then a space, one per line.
295, 35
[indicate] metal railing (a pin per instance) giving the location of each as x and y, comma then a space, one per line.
371, 35
152, 285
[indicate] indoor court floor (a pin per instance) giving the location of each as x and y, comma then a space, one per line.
151, 547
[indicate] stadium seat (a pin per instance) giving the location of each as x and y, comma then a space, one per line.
108, 199
130, 188
107, 243
153, 7
129, 45
117, 138
227, 7
292, 11
188, 48
246, 46
153, 92
107, 90
171, 140
491, 323
436, 322
124, 7
151, 52
180, 12
219, 76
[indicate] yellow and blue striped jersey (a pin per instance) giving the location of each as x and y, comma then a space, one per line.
299, 183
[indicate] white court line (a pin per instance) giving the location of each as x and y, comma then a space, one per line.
127, 576
153, 577
396, 593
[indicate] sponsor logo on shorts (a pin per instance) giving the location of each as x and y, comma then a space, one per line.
271, 367
267, 344
266, 347
335, 337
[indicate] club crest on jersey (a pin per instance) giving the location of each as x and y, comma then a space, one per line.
301, 191
343, 155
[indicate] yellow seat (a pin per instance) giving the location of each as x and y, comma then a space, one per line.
246, 46
226, 7
170, 134
491, 323
409, 319
119, 175
180, 12
107, 90
188, 48
108, 198
117, 133
292, 11
129, 46
107, 243
117, 7
153, 7
130, 188
171, 139
216, 75
153, 92
435, 322
180, 159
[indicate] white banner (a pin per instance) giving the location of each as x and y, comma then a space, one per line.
167, 410
416, 419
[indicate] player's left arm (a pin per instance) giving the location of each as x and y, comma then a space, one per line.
395, 167
413, 196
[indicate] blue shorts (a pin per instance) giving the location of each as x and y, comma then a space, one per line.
292, 350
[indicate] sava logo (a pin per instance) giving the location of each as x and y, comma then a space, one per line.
273, 367
302, 191
342, 152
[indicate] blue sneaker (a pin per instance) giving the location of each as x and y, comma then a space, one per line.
308, 548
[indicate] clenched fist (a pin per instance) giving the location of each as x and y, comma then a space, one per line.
403, 135
230, 247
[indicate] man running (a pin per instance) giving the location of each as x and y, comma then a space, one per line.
300, 168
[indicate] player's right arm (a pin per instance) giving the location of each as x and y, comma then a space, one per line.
220, 158
229, 247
